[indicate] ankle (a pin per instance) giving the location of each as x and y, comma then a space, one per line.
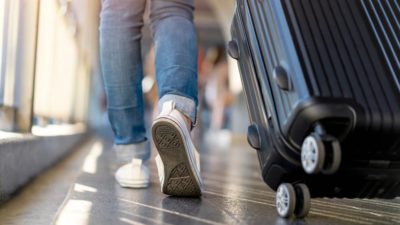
188, 121
169, 107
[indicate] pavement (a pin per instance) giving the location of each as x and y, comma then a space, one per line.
81, 190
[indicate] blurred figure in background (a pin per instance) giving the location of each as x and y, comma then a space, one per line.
176, 74
217, 96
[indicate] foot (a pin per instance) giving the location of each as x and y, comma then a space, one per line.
178, 162
134, 174
133, 171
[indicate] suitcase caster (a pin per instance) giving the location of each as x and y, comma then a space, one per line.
333, 157
320, 154
303, 199
293, 200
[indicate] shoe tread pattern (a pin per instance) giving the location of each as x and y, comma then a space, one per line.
179, 181
166, 139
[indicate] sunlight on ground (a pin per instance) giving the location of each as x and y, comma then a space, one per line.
128, 221
75, 212
83, 188
90, 164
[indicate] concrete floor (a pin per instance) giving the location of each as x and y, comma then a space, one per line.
81, 190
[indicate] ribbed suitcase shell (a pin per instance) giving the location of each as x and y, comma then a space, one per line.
336, 52
351, 49
345, 50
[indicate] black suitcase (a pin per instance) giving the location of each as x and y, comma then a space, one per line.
322, 83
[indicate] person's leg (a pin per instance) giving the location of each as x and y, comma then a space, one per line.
176, 73
176, 54
120, 53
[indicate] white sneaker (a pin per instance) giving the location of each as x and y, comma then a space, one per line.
134, 174
178, 162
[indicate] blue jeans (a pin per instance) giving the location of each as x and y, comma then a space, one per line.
120, 54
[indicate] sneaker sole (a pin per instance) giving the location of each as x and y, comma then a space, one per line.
179, 178
138, 185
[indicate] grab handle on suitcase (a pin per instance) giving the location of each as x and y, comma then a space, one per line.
253, 136
282, 78
233, 49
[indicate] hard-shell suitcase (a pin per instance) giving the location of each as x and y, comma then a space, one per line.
322, 82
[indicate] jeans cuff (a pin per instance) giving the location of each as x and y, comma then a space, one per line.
183, 104
125, 153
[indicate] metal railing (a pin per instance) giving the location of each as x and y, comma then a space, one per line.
48, 49
19, 36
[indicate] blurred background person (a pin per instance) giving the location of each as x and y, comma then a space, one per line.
217, 96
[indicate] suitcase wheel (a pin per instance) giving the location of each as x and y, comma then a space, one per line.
333, 156
303, 202
293, 200
320, 154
